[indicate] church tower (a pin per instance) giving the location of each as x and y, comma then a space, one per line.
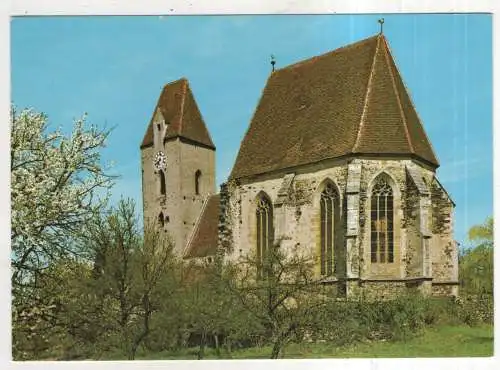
178, 164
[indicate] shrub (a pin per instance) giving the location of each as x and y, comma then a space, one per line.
475, 309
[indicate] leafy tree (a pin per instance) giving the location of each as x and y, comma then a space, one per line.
476, 263
127, 271
211, 312
64, 320
482, 234
281, 293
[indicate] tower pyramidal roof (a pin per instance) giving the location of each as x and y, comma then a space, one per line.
350, 101
180, 111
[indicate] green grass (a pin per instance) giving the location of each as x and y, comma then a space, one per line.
444, 341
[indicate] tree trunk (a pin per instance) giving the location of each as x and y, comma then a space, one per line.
145, 330
228, 345
201, 352
217, 348
278, 345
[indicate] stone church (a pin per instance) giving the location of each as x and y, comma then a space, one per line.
335, 161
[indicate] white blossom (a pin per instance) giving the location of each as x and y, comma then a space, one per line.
57, 184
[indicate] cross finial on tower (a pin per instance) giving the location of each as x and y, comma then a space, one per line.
273, 61
381, 21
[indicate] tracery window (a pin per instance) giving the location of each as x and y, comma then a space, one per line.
265, 230
328, 211
382, 222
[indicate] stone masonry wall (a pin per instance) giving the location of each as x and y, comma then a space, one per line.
297, 222
296, 219
444, 250
193, 158
396, 171
413, 258
180, 205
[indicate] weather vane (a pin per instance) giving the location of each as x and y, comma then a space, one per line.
273, 61
381, 21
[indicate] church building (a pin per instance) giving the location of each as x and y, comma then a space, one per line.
335, 162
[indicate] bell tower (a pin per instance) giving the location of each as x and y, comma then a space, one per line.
178, 164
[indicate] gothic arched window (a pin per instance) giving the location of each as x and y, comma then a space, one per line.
162, 182
382, 221
328, 213
197, 178
265, 231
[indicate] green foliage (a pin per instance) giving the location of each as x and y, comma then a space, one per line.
476, 264
442, 341
280, 293
52, 321
84, 308
128, 270
482, 234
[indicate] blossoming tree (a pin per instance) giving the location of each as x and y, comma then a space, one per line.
57, 183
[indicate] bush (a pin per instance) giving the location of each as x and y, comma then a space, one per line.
343, 322
475, 309
348, 321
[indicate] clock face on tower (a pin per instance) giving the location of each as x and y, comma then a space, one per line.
160, 161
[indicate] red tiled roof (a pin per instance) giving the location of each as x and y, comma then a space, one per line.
203, 242
349, 101
179, 109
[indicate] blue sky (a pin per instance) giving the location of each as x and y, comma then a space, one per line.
114, 68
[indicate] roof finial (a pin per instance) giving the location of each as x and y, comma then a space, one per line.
273, 61
381, 21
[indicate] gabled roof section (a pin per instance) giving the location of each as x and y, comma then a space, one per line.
181, 114
349, 101
203, 241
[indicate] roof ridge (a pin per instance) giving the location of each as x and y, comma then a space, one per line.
405, 124
196, 225
411, 102
182, 79
368, 90
328, 53
181, 118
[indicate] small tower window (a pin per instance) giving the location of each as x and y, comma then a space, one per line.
161, 220
197, 178
162, 182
